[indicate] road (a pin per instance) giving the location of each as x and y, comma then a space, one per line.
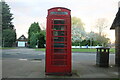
28, 63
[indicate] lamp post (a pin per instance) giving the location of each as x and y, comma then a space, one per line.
37, 43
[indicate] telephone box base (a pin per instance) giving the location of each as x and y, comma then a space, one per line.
59, 74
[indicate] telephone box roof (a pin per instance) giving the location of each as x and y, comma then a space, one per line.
59, 7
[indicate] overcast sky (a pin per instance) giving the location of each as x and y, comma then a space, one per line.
26, 12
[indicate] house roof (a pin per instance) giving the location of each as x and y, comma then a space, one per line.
22, 38
116, 21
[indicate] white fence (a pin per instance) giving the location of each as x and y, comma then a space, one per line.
83, 46
86, 46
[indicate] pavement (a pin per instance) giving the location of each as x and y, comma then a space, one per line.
28, 63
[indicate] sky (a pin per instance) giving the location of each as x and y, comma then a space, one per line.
26, 12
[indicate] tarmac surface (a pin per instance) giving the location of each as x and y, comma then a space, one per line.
28, 63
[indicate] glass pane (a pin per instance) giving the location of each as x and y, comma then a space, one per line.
59, 21
59, 33
59, 62
60, 45
58, 27
59, 57
59, 39
60, 50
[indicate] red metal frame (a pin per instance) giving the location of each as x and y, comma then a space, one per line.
58, 59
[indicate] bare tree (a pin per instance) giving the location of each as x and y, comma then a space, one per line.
42, 25
101, 25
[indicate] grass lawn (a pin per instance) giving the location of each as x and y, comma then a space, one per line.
8, 48
112, 50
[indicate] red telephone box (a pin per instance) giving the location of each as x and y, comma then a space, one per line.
58, 41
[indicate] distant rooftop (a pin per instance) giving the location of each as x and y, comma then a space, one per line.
22, 38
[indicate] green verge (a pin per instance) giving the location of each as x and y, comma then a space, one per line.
112, 50
8, 48
40, 49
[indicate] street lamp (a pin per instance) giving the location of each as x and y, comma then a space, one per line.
37, 43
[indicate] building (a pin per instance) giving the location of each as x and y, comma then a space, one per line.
22, 41
116, 27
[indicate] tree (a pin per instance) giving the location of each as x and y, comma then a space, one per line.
41, 39
96, 39
42, 25
6, 17
34, 28
78, 31
33, 40
101, 25
103, 40
8, 37
36, 36
8, 31
77, 22
0, 24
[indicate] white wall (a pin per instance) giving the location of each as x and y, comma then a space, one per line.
21, 43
